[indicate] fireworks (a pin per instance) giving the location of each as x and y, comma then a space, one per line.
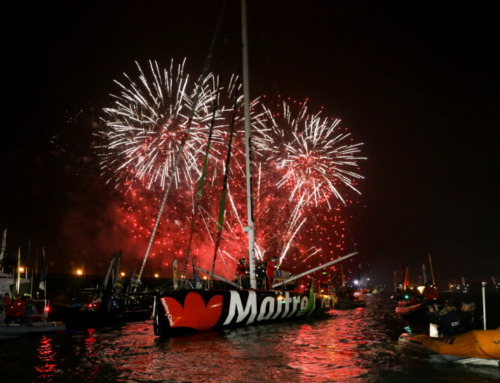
314, 156
304, 168
146, 124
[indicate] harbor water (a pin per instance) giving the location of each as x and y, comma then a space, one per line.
357, 345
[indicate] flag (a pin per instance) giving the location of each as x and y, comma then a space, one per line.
407, 277
424, 273
359, 275
43, 277
4, 244
134, 279
18, 284
174, 273
196, 275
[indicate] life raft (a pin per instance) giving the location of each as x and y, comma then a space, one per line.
479, 345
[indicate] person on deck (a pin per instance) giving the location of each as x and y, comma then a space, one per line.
271, 265
447, 318
6, 302
324, 281
29, 310
430, 292
469, 319
17, 306
414, 296
260, 274
241, 272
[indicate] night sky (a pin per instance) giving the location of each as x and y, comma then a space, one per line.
416, 81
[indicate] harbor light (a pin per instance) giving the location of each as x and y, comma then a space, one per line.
122, 274
157, 276
79, 272
356, 282
21, 269
205, 277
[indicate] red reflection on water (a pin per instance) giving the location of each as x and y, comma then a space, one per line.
48, 358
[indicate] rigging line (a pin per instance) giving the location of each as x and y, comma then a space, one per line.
185, 138
232, 240
224, 184
209, 142
208, 231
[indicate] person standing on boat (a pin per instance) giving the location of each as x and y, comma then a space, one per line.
469, 318
271, 266
241, 272
260, 274
324, 281
430, 292
29, 310
17, 307
447, 319
6, 302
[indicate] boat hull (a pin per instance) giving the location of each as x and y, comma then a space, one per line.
76, 317
17, 330
179, 312
480, 347
347, 304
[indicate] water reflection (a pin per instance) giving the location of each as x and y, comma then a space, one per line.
47, 357
348, 346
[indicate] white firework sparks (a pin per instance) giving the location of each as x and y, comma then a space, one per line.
317, 158
146, 125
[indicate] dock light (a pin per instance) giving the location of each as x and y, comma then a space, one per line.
122, 274
156, 275
79, 272
21, 269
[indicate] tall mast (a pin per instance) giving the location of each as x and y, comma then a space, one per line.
248, 152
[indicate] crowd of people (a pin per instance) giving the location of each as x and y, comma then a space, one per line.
454, 321
18, 310
264, 274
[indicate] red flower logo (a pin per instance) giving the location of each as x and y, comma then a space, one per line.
195, 314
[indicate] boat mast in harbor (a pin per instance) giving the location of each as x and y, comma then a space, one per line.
248, 150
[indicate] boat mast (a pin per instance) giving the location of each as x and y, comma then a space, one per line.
248, 152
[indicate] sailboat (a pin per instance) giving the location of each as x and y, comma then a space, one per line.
185, 310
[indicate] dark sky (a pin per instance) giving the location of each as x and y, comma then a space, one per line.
416, 81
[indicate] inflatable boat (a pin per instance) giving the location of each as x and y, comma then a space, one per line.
479, 347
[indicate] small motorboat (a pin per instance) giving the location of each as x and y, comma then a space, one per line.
479, 347
411, 309
15, 330
346, 303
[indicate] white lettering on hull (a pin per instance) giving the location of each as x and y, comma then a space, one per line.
236, 305
271, 307
267, 306
167, 312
